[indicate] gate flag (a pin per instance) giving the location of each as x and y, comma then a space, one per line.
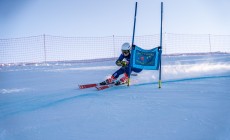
145, 59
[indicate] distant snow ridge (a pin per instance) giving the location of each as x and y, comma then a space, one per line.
13, 90
179, 71
195, 69
82, 68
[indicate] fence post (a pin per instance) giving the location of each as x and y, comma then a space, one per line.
44, 46
114, 47
210, 46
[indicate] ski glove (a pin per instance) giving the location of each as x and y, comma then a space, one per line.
122, 63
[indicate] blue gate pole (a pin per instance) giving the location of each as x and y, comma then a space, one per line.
133, 47
160, 49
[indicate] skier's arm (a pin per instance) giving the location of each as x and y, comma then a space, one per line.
121, 63
118, 62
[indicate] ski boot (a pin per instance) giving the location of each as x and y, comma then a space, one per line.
108, 81
123, 80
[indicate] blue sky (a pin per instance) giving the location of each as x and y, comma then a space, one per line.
112, 17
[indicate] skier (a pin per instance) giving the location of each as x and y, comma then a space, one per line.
123, 62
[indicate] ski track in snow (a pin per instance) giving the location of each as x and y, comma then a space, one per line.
38, 102
41, 102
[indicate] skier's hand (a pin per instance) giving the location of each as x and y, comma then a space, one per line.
124, 63
118, 63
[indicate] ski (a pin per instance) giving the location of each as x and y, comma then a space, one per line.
87, 86
102, 87
92, 85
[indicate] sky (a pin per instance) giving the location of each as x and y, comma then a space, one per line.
19, 18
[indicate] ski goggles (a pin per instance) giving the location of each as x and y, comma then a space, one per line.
125, 51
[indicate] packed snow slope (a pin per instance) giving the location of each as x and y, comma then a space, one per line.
43, 102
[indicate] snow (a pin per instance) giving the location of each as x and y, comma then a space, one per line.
43, 102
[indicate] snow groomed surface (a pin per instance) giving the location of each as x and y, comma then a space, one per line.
42, 101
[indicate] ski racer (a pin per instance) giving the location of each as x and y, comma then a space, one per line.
123, 62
